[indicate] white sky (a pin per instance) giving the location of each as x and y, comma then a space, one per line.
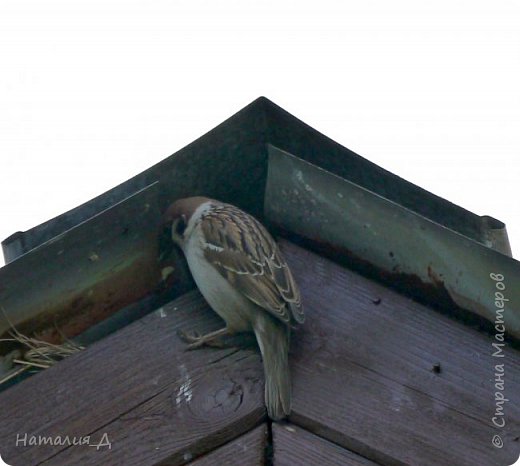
94, 92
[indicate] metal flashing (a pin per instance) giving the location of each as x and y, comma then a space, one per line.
329, 210
54, 268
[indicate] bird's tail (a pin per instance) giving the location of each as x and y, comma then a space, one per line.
273, 338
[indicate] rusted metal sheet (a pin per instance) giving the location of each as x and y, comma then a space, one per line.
85, 274
97, 261
230, 164
352, 221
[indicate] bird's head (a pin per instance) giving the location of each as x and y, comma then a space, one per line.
180, 218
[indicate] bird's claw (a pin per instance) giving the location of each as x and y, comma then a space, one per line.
195, 345
196, 340
189, 337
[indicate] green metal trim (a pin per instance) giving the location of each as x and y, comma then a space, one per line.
311, 202
86, 273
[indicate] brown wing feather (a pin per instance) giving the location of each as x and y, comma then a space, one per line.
252, 262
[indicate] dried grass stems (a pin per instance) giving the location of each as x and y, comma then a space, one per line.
39, 354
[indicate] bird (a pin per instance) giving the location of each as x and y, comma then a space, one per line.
240, 271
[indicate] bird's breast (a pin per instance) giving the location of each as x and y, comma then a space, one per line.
236, 309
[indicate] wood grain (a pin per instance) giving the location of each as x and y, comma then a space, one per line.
248, 449
154, 400
362, 373
294, 445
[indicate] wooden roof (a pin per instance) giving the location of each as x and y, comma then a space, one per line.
378, 377
364, 388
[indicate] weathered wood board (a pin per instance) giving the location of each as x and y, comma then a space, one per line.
154, 400
362, 374
294, 445
363, 381
248, 449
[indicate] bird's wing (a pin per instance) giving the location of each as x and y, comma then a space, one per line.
251, 261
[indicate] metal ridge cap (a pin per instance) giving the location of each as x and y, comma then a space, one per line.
349, 221
21, 242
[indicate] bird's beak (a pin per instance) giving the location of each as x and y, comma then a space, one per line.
176, 238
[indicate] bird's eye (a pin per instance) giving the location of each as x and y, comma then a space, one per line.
181, 225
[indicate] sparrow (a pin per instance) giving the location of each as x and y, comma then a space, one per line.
238, 268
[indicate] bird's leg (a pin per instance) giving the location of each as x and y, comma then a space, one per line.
210, 339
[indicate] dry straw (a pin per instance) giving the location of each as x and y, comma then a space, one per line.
39, 354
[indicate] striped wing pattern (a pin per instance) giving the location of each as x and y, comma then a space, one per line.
244, 253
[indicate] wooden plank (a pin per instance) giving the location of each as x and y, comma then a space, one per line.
248, 449
362, 374
154, 400
361, 370
294, 445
